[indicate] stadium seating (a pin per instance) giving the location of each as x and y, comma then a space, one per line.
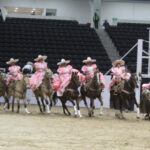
124, 36
26, 38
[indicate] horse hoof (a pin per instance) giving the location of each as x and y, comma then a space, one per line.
137, 117
5, 106
101, 114
117, 116
80, 116
90, 115
48, 112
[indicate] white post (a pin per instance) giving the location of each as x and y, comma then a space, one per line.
149, 53
139, 67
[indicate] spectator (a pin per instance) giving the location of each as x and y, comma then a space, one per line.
96, 20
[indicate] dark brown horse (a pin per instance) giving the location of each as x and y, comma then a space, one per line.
120, 96
93, 91
71, 93
145, 103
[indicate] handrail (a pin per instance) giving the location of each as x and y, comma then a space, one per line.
124, 56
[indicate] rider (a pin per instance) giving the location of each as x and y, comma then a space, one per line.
14, 70
146, 86
62, 79
119, 74
28, 68
89, 69
38, 76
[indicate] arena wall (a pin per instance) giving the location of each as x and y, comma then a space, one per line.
125, 10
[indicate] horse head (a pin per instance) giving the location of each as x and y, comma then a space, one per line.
75, 80
26, 81
146, 94
96, 82
134, 81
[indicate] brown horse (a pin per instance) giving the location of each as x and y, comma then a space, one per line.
71, 93
145, 103
45, 91
93, 90
17, 89
122, 95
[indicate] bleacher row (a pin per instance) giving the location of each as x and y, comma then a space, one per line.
124, 36
26, 38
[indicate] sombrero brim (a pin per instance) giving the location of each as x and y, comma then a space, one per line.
40, 58
86, 61
12, 61
65, 62
121, 62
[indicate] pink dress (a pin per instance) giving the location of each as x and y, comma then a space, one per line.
15, 74
38, 76
62, 81
118, 75
145, 86
89, 72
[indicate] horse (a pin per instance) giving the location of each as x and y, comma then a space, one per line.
121, 95
17, 89
93, 91
45, 91
145, 103
71, 93
3, 85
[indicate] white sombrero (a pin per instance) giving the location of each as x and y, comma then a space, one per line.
12, 60
40, 57
116, 62
63, 61
89, 59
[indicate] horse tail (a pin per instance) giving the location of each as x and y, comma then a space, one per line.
55, 98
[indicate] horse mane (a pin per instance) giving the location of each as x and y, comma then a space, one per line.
74, 81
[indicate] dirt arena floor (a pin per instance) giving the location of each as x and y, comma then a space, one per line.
58, 132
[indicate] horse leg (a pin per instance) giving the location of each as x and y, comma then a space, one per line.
78, 107
18, 105
6, 103
13, 99
116, 105
43, 104
137, 108
37, 98
65, 108
69, 114
85, 103
75, 108
25, 106
121, 107
91, 107
101, 106
47, 106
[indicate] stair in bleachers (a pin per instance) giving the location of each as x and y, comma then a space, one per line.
25, 39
